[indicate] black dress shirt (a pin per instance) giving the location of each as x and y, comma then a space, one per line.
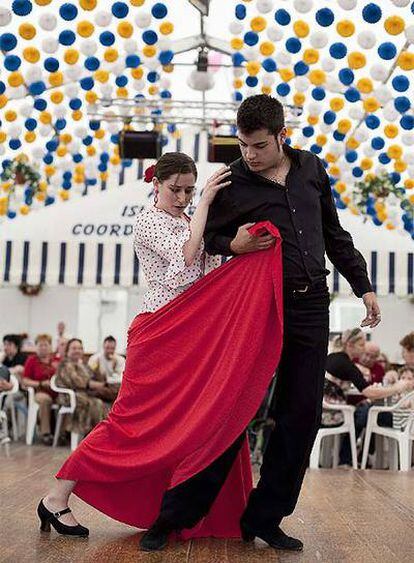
341, 366
304, 212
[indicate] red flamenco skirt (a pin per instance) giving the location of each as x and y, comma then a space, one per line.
196, 372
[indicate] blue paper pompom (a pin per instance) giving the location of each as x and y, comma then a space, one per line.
338, 50
159, 10
12, 62
251, 38
387, 50
8, 42
51, 64
107, 38
371, 13
283, 89
240, 11
293, 45
67, 37
325, 17
68, 12
149, 37
22, 7
346, 76
120, 9
400, 83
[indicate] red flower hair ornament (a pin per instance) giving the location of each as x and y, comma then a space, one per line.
149, 174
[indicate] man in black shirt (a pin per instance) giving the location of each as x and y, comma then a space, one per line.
291, 189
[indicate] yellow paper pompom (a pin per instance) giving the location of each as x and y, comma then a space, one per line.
406, 60
356, 60
10, 115
125, 29
301, 28
390, 226
91, 96
371, 104
391, 131
56, 78
31, 54
168, 68
258, 24
236, 43
103, 176
101, 76
331, 158
91, 150
137, 2
394, 151
321, 140
79, 169
253, 68
267, 48
40, 196
336, 104
286, 74
78, 179
313, 119
56, 97
24, 209
30, 137
166, 28
77, 115
366, 163
99, 134
3, 100
237, 83
400, 166
45, 117
3, 136
49, 170
64, 195
15, 79
27, 31
85, 28
352, 143
115, 160
149, 51
409, 184
65, 138
111, 54
335, 171
88, 4
411, 199
345, 28
364, 85
122, 92
394, 25
137, 72
43, 186
61, 150
299, 99
344, 126
71, 56
152, 90
340, 187
317, 77
267, 90
42, 2
311, 56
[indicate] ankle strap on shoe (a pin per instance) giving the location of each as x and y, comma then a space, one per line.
61, 512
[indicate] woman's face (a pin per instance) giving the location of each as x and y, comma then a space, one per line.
408, 356
407, 375
75, 351
175, 193
357, 347
43, 348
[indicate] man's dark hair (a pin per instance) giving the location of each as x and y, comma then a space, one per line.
14, 339
260, 112
110, 339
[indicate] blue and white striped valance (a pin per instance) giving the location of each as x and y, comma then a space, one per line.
111, 264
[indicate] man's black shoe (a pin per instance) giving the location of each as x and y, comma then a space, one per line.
155, 539
276, 538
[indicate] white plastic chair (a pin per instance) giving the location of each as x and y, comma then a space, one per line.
347, 427
32, 410
70, 409
404, 439
6, 397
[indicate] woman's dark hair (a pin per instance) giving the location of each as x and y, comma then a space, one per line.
70, 342
260, 112
174, 163
15, 339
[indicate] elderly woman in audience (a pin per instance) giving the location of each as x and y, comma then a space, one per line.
38, 370
341, 370
370, 360
74, 374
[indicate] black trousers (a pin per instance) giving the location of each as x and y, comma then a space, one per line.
297, 412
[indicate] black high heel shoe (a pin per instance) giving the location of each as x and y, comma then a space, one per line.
247, 535
48, 519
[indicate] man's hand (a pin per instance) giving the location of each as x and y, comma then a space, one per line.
244, 242
373, 317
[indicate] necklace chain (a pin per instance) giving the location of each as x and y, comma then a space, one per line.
277, 177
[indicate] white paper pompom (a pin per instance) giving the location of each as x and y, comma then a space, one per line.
264, 6
33, 74
48, 21
366, 39
106, 90
379, 72
268, 80
74, 72
151, 63
315, 108
410, 171
274, 33
283, 58
50, 45
325, 128
238, 71
118, 67
60, 111
138, 85
165, 83
80, 131
337, 148
400, 3
319, 39
103, 19
407, 139
26, 109
14, 130
302, 83
409, 158
328, 64
71, 90
2, 149
88, 47
303, 6
143, 19
45, 131
250, 53
383, 94
409, 33
361, 135
356, 112
390, 113
369, 151
347, 4
236, 27
5, 17
130, 46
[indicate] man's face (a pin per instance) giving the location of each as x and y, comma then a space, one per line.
10, 348
109, 349
408, 356
261, 150
370, 355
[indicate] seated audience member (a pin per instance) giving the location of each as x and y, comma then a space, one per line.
107, 367
38, 371
400, 416
74, 374
61, 337
407, 345
27, 345
384, 362
340, 368
370, 359
5, 383
13, 358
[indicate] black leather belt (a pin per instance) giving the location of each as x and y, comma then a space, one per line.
305, 287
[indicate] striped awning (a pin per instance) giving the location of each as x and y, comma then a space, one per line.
114, 264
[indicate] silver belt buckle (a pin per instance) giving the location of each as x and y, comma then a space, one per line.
304, 290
